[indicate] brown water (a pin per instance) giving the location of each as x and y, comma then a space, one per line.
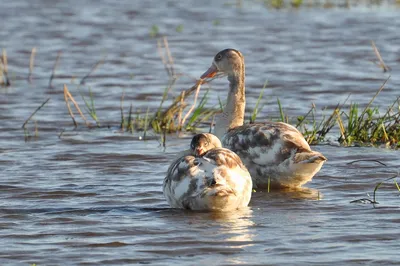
93, 197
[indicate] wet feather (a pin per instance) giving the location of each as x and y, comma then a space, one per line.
217, 180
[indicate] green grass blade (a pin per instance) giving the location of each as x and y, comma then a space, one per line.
281, 111
256, 110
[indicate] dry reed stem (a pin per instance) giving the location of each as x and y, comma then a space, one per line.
174, 106
54, 69
163, 59
95, 66
37, 109
67, 97
198, 86
170, 59
181, 108
68, 106
5, 68
341, 126
5, 61
31, 64
376, 94
378, 55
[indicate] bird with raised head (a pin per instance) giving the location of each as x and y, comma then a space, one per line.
275, 153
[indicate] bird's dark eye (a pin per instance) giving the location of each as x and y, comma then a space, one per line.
205, 144
218, 57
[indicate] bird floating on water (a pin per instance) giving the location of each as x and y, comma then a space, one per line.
207, 177
271, 151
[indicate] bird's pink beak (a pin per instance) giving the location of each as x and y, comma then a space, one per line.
199, 151
211, 72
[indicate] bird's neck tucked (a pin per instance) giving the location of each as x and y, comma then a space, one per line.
233, 113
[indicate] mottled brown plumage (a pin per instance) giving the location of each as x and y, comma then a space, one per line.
210, 178
201, 143
275, 152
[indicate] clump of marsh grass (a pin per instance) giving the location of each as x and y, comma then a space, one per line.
188, 110
361, 126
315, 131
173, 117
368, 125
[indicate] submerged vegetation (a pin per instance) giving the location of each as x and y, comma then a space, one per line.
377, 186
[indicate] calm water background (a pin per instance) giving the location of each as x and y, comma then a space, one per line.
93, 197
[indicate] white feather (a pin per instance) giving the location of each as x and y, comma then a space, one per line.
216, 181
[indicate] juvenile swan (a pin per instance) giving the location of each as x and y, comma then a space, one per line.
271, 151
207, 177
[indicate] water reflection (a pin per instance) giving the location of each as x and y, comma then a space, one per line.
289, 193
72, 194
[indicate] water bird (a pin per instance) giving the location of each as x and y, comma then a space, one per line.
275, 153
207, 177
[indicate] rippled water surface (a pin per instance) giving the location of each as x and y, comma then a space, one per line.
93, 196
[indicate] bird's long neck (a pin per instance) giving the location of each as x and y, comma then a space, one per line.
233, 113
